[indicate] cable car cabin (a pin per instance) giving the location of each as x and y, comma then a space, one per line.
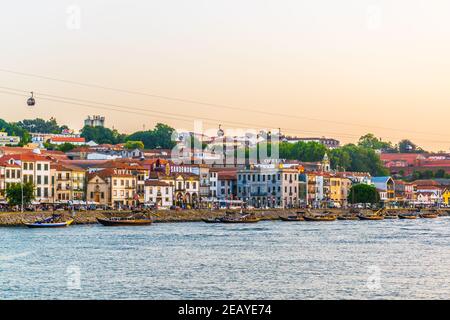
31, 102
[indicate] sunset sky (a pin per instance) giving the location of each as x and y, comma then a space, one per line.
329, 68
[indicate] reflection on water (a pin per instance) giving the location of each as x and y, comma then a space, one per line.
396, 259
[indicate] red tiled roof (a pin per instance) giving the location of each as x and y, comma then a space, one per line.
156, 183
68, 139
410, 158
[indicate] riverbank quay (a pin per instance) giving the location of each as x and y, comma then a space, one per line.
15, 219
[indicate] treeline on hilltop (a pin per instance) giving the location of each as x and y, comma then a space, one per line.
159, 137
360, 157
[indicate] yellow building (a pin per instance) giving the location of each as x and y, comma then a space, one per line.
446, 196
339, 189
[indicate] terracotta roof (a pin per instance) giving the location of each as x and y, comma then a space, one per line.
410, 158
156, 183
27, 157
428, 182
68, 139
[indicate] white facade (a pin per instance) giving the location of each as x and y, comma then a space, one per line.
158, 193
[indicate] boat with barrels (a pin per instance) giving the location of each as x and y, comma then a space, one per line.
242, 217
324, 216
55, 221
391, 215
372, 216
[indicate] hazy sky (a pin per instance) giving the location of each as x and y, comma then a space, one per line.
339, 68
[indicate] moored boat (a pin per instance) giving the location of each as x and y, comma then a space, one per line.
128, 221
407, 216
372, 217
348, 217
248, 218
297, 217
391, 216
52, 222
326, 216
429, 215
212, 220
292, 218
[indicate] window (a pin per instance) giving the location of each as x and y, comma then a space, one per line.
38, 192
45, 179
7, 173
39, 180
92, 195
46, 192
46, 167
31, 166
39, 167
194, 185
25, 166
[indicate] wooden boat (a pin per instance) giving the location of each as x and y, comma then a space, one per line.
297, 217
320, 217
407, 216
429, 215
52, 222
243, 219
212, 220
391, 216
292, 218
372, 217
128, 221
348, 217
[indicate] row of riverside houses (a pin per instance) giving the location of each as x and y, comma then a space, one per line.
158, 181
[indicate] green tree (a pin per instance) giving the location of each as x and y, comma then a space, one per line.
159, 137
363, 193
102, 135
370, 141
440, 173
14, 193
130, 145
407, 146
41, 125
14, 130
65, 147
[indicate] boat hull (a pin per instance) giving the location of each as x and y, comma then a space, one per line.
212, 220
241, 221
332, 218
348, 218
292, 219
50, 225
400, 216
428, 216
371, 218
118, 223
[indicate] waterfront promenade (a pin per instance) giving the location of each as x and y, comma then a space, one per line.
90, 217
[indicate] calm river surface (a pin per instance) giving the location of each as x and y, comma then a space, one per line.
399, 259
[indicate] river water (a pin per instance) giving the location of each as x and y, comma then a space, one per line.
391, 259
